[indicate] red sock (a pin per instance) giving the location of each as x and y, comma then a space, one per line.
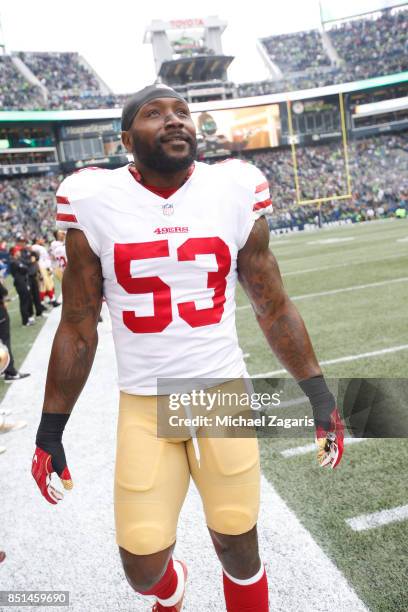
50, 294
167, 585
244, 597
42, 296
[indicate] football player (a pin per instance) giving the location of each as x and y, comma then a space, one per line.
44, 262
165, 240
58, 253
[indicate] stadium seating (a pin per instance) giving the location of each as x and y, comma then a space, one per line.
60, 72
366, 47
378, 168
27, 206
15, 91
88, 100
379, 178
373, 46
297, 52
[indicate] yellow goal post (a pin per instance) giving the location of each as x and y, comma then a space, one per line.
293, 139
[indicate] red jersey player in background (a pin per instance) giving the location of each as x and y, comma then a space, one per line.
165, 240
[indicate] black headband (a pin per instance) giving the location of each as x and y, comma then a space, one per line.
146, 94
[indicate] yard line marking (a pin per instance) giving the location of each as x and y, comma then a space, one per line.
279, 242
291, 257
343, 265
246, 355
402, 239
308, 448
392, 349
402, 279
331, 240
377, 519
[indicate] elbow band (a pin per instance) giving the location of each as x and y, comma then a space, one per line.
321, 398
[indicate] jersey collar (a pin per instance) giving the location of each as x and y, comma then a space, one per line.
138, 177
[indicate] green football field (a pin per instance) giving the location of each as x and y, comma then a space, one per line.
351, 287
365, 266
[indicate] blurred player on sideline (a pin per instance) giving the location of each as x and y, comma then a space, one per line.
44, 262
58, 253
165, 240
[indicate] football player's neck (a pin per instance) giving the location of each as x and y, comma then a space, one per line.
162, 181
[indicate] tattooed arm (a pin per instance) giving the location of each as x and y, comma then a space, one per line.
76, 338
72, 355
277, 316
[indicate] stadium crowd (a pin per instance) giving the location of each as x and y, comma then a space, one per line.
15, 91
374, 46
378, 168
59, 72
81, 100
297, 52
369, 46
27, 206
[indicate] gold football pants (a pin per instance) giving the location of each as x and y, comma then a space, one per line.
152, 477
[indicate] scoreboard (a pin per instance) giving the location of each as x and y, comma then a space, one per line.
83, 143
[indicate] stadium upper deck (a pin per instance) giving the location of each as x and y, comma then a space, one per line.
72, 131
366, 47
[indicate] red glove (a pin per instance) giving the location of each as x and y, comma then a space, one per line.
42, 469
49, 456
328, 423
330, 443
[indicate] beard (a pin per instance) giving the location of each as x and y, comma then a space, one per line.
156, 158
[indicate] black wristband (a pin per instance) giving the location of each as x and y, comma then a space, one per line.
49, 438
321, 398
52, 426
51, 429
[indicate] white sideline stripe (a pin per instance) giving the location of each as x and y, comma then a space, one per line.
377, 519
308, 448
347, 263
402, 279
402, 239
392, 349
32, 530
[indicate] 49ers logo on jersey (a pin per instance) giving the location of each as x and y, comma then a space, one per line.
124, 254
171, 230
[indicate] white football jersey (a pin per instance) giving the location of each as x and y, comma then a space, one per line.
169, 266
58, 254
44, 259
